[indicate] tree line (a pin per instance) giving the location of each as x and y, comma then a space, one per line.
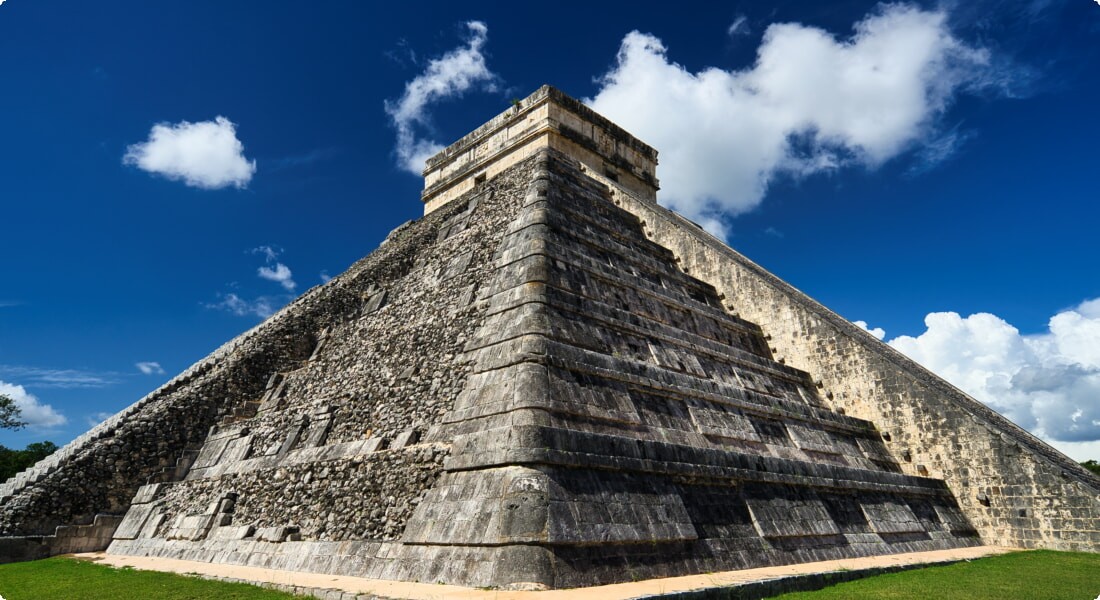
14, 461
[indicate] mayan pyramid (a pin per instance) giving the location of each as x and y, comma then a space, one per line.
549, 380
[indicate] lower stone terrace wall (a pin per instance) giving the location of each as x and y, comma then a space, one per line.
65, 540
1015, 489
100, 475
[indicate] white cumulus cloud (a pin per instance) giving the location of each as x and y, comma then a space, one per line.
206, 154
810, 103
1047, 382
448, 76
35, 414
150, 368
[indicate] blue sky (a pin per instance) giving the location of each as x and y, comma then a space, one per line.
171, 172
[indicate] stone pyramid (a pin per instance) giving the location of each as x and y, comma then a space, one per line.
549, 381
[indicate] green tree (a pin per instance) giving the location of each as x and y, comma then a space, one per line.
1092, 465
14, 461
10, 414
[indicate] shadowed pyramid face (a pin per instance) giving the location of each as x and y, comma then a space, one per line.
526, 387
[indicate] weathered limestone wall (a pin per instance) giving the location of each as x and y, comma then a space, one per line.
1015, 489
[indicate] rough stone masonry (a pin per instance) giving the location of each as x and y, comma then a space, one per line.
549, 381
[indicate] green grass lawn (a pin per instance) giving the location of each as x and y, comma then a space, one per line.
69, 579
1035, 575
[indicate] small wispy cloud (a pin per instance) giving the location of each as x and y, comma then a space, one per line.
262, 307
36, 415
150, 368
299, 160
772, 231
280, 274
206, 154
939, 149
59, 378
269, 253
274, 270
451, 75
96, 418
403, 54
325, 277
740, 26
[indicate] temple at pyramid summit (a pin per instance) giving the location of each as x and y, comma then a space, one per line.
549, 381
